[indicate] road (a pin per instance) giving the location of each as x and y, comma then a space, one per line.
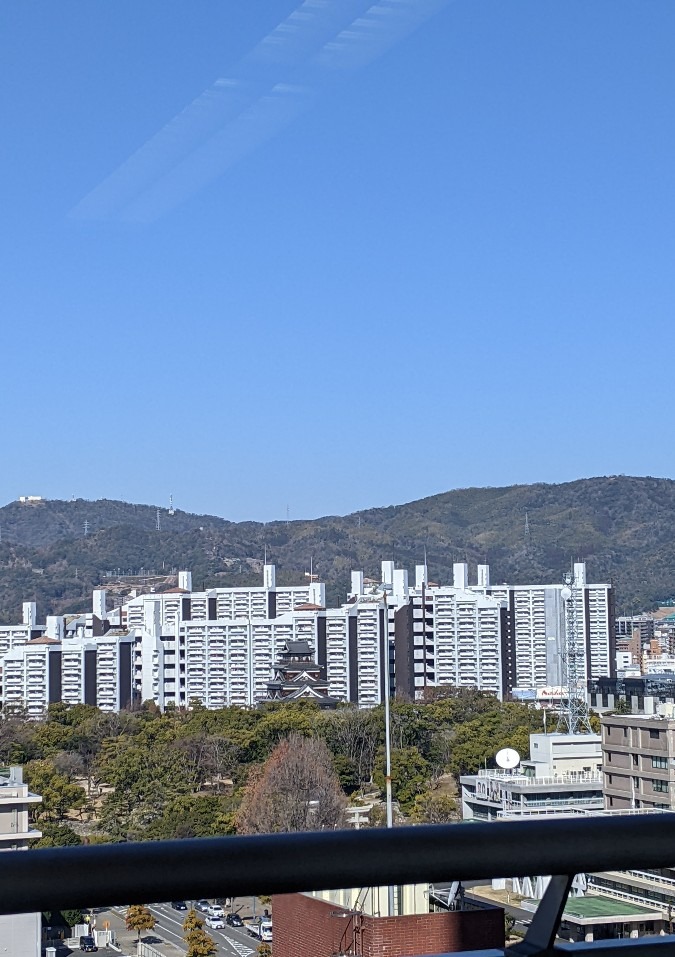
167, 934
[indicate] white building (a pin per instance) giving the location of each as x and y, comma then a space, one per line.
20, 934
44, 671
562, 775
535, 632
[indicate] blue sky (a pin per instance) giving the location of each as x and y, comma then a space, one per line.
447, 261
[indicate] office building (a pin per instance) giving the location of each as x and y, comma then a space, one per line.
638, 761
562, 775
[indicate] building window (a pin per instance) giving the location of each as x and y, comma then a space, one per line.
654, 734
635, 760
609, 757
636, 783
660, 786
660, 763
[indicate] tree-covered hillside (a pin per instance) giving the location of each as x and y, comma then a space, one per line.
623, 527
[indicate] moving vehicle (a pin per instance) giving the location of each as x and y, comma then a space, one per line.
87, 943
262, 929
202, 905
234, 920
216, 922
179, 905
215, 910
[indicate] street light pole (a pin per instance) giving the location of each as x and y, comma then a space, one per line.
387, 737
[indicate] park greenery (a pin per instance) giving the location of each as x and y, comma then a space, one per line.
147, 775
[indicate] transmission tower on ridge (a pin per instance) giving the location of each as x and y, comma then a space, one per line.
573, 717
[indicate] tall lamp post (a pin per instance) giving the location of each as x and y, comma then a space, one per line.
387, 738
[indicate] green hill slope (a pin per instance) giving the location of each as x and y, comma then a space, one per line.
623, 527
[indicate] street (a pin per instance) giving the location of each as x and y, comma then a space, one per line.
167, 934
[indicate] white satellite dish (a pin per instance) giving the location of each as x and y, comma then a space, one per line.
507, 758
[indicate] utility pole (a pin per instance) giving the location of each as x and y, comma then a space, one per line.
387, 737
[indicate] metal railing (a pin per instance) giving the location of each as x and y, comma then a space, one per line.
57, 878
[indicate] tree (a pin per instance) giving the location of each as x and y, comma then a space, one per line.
56, 835
199, 943
139, 918
409, 776
295, 790
434, 807
58, 794
264, 950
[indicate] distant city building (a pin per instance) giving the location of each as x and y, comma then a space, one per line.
639, 694
219, 646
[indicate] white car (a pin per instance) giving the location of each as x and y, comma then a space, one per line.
217, 923
215, 910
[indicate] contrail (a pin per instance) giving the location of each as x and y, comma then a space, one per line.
317, 44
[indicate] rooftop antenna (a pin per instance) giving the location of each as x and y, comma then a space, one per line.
172, 510
265, 552
573, 717
159, 521
426, 567
288, 512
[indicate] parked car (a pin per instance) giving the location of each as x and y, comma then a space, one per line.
87, 943
234, 920
216, 922
202, 905
215, 910
179, 905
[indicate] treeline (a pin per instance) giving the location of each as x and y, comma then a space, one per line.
147, 775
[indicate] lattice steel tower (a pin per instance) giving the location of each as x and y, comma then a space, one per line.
573, 717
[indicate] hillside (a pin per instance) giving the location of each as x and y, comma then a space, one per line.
623, 527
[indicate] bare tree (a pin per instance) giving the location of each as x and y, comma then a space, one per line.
295, 790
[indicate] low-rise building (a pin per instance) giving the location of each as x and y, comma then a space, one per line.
562, 774
20, 934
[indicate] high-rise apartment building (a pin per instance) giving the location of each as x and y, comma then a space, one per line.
219, 646
534, 637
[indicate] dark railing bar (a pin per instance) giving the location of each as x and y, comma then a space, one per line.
544, 926
624, 947
283, 863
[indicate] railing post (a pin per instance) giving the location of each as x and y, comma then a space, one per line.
543, 929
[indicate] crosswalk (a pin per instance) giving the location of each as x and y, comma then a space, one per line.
238, 946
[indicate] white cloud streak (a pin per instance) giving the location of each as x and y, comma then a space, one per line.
273, 84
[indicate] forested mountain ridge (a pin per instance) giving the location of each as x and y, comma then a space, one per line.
622, 526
